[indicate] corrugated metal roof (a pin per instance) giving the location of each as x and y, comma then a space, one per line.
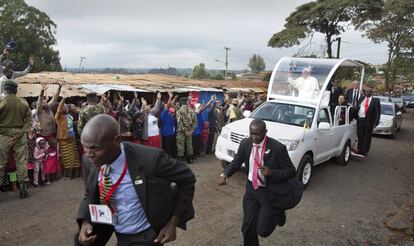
33, 90
248, 89
138, 81
103, 88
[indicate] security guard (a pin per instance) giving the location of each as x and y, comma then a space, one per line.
15, 122
186, 122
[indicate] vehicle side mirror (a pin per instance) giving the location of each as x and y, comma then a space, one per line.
247, 113
399, 113
324, 126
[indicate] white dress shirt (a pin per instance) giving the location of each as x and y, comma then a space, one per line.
251, 162
361, 112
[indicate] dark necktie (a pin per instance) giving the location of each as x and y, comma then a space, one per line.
354, 98
107, 184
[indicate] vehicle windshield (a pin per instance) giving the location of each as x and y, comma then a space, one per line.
285, 113
383, 99
387, 109
305, 79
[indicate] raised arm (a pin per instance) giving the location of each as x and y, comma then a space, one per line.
134, 103
121, 104
206, 105
17, 74
41, 98
56, 96
157, 106
61, 106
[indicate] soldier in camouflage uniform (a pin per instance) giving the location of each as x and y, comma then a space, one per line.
15, 122
186, 122
91, 110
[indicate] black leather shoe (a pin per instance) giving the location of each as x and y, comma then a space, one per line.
23, 190
282, 219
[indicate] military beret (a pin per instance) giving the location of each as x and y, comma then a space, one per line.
10, 84
91, 94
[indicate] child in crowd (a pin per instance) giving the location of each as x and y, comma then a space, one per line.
39, 155
31, 144
52, 164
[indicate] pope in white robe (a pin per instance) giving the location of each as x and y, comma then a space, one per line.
307, 85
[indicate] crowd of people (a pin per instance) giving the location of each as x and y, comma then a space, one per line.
44, 141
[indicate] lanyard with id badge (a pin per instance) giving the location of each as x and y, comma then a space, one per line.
105, 213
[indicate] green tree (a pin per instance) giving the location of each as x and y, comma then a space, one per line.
33, 32
200, 72
329, 17
256, 64
217, 76
396, 28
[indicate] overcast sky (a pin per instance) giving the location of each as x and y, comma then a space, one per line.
180, 33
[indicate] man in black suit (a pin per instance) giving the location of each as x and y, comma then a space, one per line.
267, 166
335, 90
368, 115
145, 205
352, 95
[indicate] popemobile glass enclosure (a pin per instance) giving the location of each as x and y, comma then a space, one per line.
308, 79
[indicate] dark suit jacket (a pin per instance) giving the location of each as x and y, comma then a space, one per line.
349, 94
374, 111
335, 95
277, 160
157, 171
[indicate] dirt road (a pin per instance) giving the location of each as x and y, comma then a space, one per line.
342, 206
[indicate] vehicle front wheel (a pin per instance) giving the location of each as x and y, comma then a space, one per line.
343, 159
304, 171
393, 133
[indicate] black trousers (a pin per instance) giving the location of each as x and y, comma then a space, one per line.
364, 132
211, 133
259, 218
169, 145
145, 238
104, 233
197, 145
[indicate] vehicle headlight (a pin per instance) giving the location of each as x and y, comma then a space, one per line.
291, 145
225, 133
387, 123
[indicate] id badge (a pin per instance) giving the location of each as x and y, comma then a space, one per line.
102, 214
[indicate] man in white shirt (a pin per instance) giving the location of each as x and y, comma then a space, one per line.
368, 113
307, 85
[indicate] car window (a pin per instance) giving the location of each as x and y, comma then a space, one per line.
387, 109
323, 116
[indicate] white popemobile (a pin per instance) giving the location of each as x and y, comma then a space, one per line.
297, 113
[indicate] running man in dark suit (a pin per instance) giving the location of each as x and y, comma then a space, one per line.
267, 164
368, 115
145, 205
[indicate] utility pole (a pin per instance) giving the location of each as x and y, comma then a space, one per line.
227, 49
338, 47
82, 58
